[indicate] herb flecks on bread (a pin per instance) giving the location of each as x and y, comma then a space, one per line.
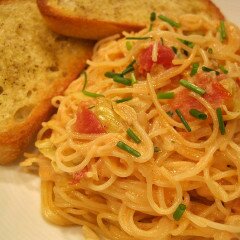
92, 19
35, 65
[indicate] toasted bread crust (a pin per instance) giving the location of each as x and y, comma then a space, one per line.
15, 138
214, 10
65, 23
80, 27
14, 141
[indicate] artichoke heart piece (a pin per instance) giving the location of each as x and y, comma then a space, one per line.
46, 148
126, 112
108, 117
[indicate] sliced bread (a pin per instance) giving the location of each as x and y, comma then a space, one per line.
35, 65
92, 19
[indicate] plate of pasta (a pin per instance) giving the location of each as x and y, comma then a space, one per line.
145, 144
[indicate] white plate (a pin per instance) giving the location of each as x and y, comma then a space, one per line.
20, 216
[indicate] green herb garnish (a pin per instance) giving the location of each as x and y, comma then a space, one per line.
152, 16
197, 114
207, 69
129, 68
179, 212
186, 42
85, 81
169, 21
128, 45
138, 38
223, 69
210, 51
220, 121
133, 136
162, 42
122, 80
89, 94
170, 113
152, 19
222, 30
192, 87
112, 74
128, 149
134, 80
175, 50
123, 100
194, 70
178, 112
93, 106
165, 95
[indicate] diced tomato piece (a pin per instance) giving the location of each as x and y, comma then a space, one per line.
77, 176
87, 122
165, 57
185, 102
215, 94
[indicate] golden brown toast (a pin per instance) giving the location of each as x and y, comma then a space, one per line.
92, 19
35, 65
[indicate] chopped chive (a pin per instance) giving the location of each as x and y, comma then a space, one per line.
152, 16
186, 42
197, 114
122, 80
175, 50
134, 80
165, 95
85, 80
133, 136
207, 69
162, 42
156, 149
169, 21
129, 68
93, 106
178, 112
137, 38
220, 121
194, 70
179, 212
152, 19
150, 27
123, 100
91, 94
210, 51
112, 74
170, 113
128, 149
223, 69
128, 45
192, 87
222, 30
